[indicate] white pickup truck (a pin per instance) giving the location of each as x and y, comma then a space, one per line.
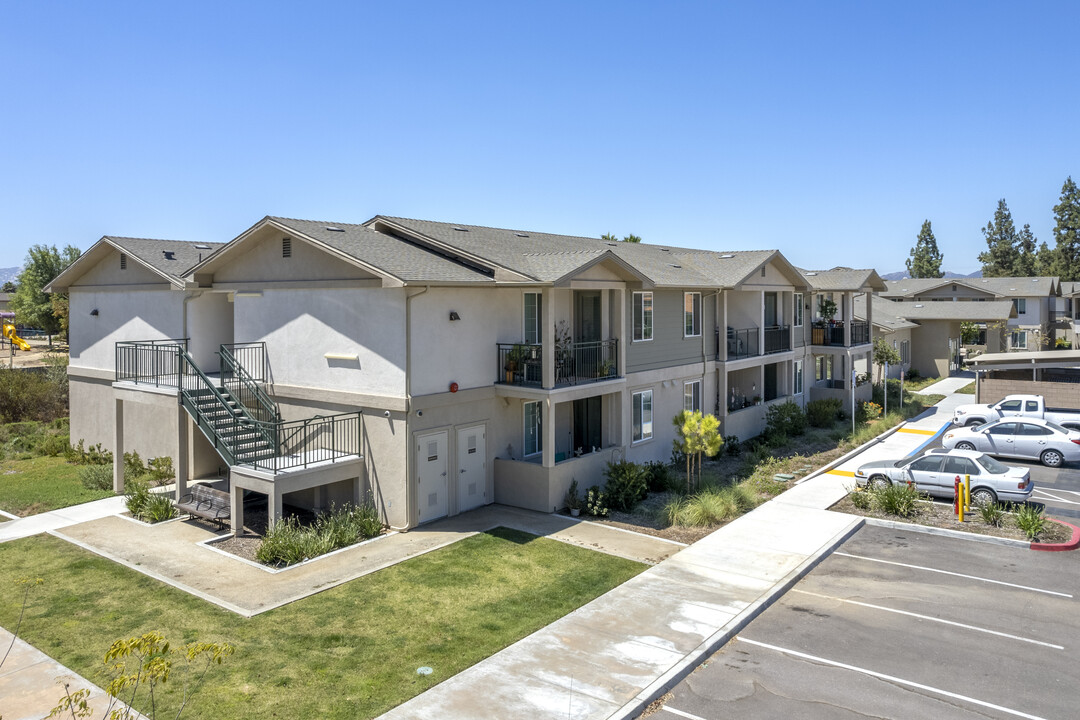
1032, 406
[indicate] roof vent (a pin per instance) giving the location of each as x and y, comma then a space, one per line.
286, 247
123, 261
335, 229
1012, 288
810, 274
461, 229
675, 266
169, 254
918, 305
665, 250
726, 257
517, 234
202, 247
613, 244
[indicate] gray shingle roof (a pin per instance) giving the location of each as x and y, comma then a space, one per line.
170, 257
965, 311
842, 278
392, 255
884, 313
999, 287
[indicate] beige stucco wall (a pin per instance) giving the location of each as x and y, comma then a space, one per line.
260, 260
301, 326
130, 314
209, 325
107, 272
930, 346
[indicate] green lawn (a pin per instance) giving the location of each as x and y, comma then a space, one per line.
968, 389
349, 652
41, 484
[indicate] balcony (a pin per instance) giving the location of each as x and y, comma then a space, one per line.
742, 343
577, 363
833, 335
777, 339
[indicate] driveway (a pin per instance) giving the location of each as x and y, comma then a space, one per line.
900, 624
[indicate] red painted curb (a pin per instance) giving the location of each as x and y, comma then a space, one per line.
1072, 544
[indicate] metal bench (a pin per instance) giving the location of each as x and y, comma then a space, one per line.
206, 502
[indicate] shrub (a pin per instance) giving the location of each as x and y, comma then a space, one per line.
626, 485
133, 466
775, 438
786, 417
732, 445
661, 477
96, 477
573, 498
137, 492
868, 411
710, 506
992, 514
1031, 520
911, 374
595, 503
862, 499
30, 395
160, 470
158, 509
823, 413
897, 499
289, 542
94, 455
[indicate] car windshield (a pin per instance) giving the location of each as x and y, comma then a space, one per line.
991, 465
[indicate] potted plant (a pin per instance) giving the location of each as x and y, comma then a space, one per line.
573, 500
828, 309
515, 358
607, 369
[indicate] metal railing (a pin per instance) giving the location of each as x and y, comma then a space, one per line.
742, 343
860, 332
575, 363
777, 339
243, 385
301, 443
150, 362
253, 358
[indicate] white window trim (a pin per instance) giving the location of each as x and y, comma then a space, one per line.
798, 308
539, 317
695, 316
539, 431
633, 401
640, 297
798, 377
688, 383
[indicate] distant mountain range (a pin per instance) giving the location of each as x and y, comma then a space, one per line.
903, 274
9, 274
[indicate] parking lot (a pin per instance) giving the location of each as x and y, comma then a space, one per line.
901, 624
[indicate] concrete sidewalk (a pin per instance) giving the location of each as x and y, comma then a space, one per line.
64, 517
612, 657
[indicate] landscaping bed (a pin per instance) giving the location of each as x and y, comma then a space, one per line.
941, 515
351, 651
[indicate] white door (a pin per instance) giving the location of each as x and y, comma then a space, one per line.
472, 475
431, 471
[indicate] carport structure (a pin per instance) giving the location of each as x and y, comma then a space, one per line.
1053, 373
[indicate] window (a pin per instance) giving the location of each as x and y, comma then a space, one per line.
692, 396
798, 309
1003, 429
797, 379
534, 435
905, 351
1020, 305
530, 325
1031, 406
691, 314
1018, 339
643, 315
642, 415
1029, 429
960, 466
928, 464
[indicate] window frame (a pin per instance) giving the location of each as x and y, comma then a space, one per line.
637, 409
1020, 305
798, 308
695, 395
538, 329
797, 378
639, 304
1016, 336
693, 315
525, 428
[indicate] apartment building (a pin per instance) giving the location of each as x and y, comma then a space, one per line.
433, 367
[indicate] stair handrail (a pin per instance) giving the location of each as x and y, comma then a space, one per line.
268, 410
285, 431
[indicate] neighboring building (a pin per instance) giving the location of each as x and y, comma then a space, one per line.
1034, 299
896, 331
434, 367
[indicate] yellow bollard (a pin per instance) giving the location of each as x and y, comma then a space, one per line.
960, 502
967, 493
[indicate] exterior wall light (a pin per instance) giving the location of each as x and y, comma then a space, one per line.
94, 312
454, 316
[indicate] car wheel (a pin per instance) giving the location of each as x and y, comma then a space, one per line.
973, 422
964, 446
1051, 458
983, 496
878, 481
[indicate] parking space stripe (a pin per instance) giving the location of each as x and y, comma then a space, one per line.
1055, 498
919, 616
845, 473
916, 431
680, 713
954, 574
890, 678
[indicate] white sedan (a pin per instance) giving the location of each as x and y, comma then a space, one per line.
935, 473
1029, 438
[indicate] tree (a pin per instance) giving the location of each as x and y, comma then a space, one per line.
1027, 259
9, 287
884, 353
1045, 261
969, 333
696, 435
925, 261
609, 237
1001, 254
32, 305
631, 238
1066, 252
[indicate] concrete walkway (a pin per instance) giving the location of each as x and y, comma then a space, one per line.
56, 519
612, 657
950, 385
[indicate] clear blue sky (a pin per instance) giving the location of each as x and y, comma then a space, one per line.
827, 130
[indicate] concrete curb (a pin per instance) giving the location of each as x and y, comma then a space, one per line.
1072, 544
853, 453
946, 532
678, 672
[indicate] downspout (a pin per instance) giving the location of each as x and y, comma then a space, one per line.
409, 456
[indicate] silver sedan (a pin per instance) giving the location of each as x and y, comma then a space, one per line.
935, 473
1029, 438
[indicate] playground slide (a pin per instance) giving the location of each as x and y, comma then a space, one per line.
9, 333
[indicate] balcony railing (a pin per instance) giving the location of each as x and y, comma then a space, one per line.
575, 363
860, 332
742, 343
150, 362
834, 334
777, 339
